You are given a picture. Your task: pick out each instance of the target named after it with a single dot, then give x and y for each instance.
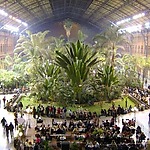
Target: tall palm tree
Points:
(109, 42)
(45, 81)
(107, 79)
(77, 63)
(143, 66)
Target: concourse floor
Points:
(142, 119)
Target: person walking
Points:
(7, 130)
(3, 121)
(11, 128)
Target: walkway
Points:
(142, 119)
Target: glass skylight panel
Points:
(138, 16)
(123, 21)
(11, 28)
(25, 24)
(147, 25)
(3, 13)
(133, 28)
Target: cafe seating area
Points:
(87, 134)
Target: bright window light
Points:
(3, 13)
(11, 28)
(133, 28)
(147, 25)
(13, 18)
(25, 24)
(123, 21)
(18, 20)
(138, 16)
(10, 16)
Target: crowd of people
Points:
(90, 135)
(140, 94)
(83, 127)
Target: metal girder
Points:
(62, 17)
(26, 9)
(74, 5)
(41, 7)
(142, 4)
(114, 10)
(99, 7)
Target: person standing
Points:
(148, 144)
(16, 123)
(149, 118)
(34, 112)
(4, 101)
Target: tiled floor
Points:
(142, 119)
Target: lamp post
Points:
(134, 111)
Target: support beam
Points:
(26, 9)
(99, 7)
(114, 10)
(41, 7)
(142, 4)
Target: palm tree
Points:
(37, 52)
(45, 81)
(127, 70)
(109, 42)
(107, 79)
(77, 63)
(143, 66)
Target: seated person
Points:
(54, 123)
(39, 120)
(59, 131)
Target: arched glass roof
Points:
(96, 13)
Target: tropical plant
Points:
(127, 71)
(45, 81)
(107, 79)
(74, 146)
(81, 36)
(142, 65)
(32, 48)
(109, 42)
(77, 64)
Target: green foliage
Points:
(74, 146)
(77, 63)
(107, 79)
(98, 131)
(68, 72)
(47, 76)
